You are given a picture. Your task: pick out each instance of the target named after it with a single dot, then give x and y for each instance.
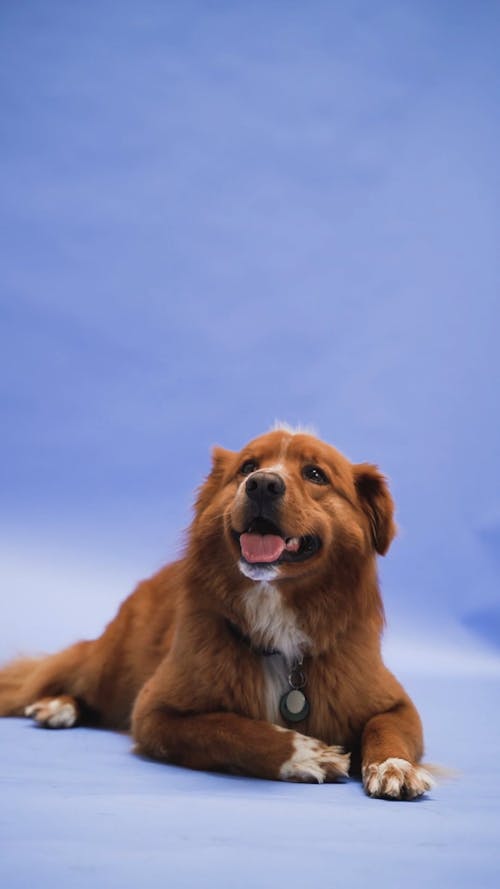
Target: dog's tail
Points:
(14, 678)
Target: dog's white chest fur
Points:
(272, 624)
(276, 671)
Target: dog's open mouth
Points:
(263, 543)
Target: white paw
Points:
(313, 761)
(53, 712)
(397, 779)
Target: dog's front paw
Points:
(314, 762)
(396, 779)
(60, 712)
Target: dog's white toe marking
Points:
(396, 778)
(313, 761)
(53, 712)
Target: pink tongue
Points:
(261, 547)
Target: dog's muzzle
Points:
(261, 538)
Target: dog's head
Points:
(290, 506)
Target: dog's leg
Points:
(46, 689)
(59, 712)
(391, 749)
(231, 743)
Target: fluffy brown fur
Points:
(186, 661)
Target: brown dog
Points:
(260, 649)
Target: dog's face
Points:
(291, 506)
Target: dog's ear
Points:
(377, 503)
(220, 460)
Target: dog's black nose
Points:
(265, 485)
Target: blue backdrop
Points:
(217, 214)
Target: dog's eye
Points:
(314, 474)
(248, 467)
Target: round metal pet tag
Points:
(294, 706)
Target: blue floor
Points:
(78, 809)
(215, 215)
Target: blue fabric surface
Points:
(219, 214)
(215, 215)
(79, 809)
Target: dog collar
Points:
(294, 706)
(242, 637)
